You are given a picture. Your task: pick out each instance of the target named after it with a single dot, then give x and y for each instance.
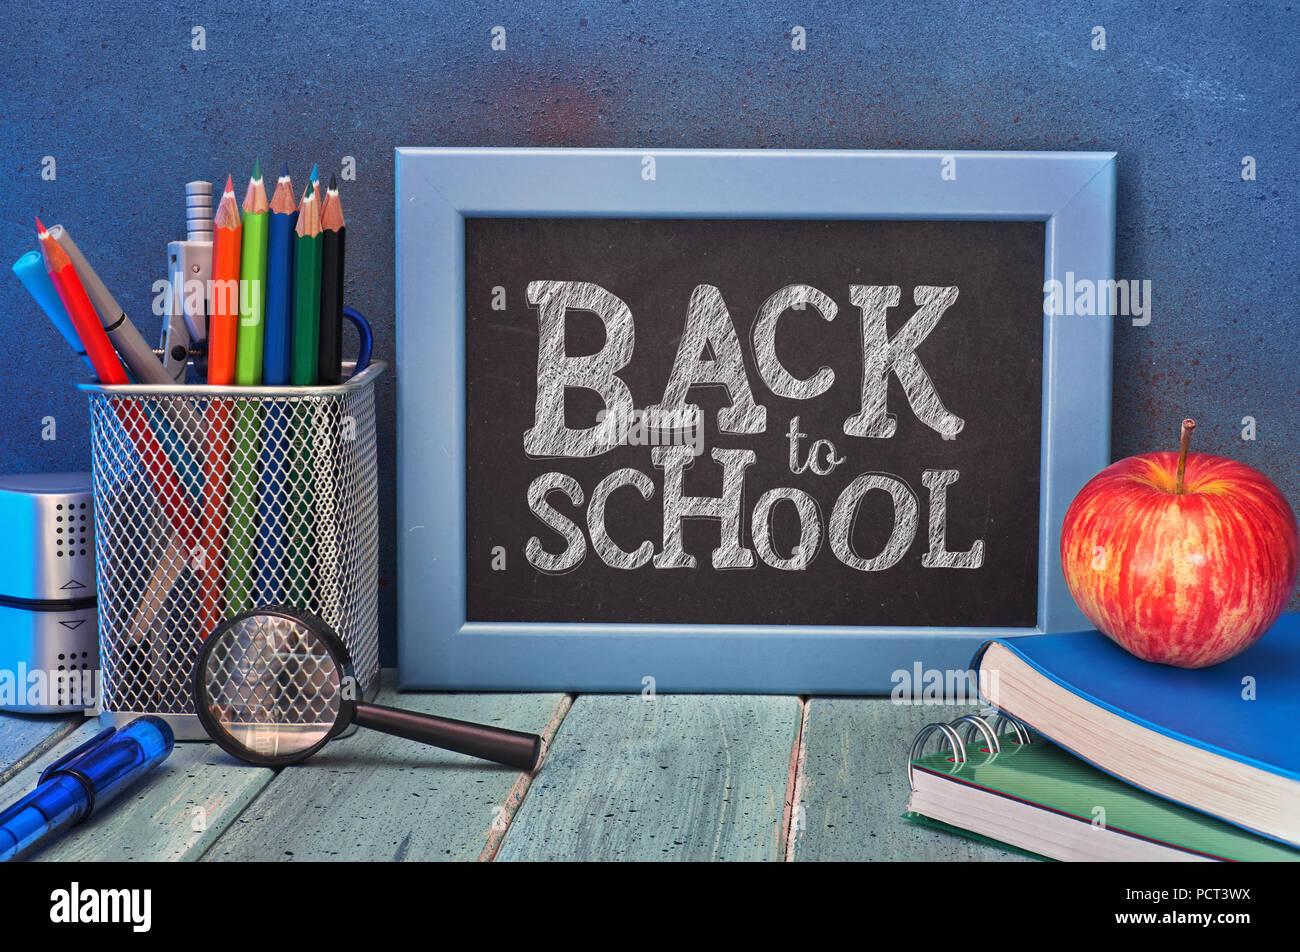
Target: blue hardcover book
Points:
(1223, 740)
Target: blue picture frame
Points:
(437, 188)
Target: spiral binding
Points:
(987, 723)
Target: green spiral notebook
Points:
(1041, 799)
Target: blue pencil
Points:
(273, 499)
(279, 284)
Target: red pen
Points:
(108, 367)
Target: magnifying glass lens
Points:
(271, 686)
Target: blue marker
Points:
(30, 269)
(76, 785)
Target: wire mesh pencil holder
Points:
(213, 500)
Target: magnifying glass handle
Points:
(497, 744)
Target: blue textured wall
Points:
(1183, 91)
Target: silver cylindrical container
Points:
(49, 653)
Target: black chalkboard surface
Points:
(931, 403)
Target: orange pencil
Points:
(223, 335)
(212, 528)
(108, 367)
(223, 304)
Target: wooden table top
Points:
(675, 777)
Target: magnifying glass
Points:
(272, 686)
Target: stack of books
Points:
(1134, 760)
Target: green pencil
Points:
(306, 292)
(304, 359)
(252, 275)
(242, 528)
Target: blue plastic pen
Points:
(83, 781)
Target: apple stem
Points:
(1185, 440)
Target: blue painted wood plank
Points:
(24, 737)
(682, 777)
(375, 797)
(175, 813)
(851, 787)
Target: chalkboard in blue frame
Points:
(456, 207)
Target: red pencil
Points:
(108, 367)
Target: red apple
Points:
(1181, 559)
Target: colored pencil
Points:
(279, 283)
(273, 496)
(216, 486)
(327, 548)
(252, 276)
(242, 542)
(333, 233)
(109, 370)
(319, 192)
(241, 546)
(306, 292)
(273, 505)
(175, 423)
(223, 330)
(30, 269)
(223, 299)
(306, 355)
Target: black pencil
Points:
(329, 370)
